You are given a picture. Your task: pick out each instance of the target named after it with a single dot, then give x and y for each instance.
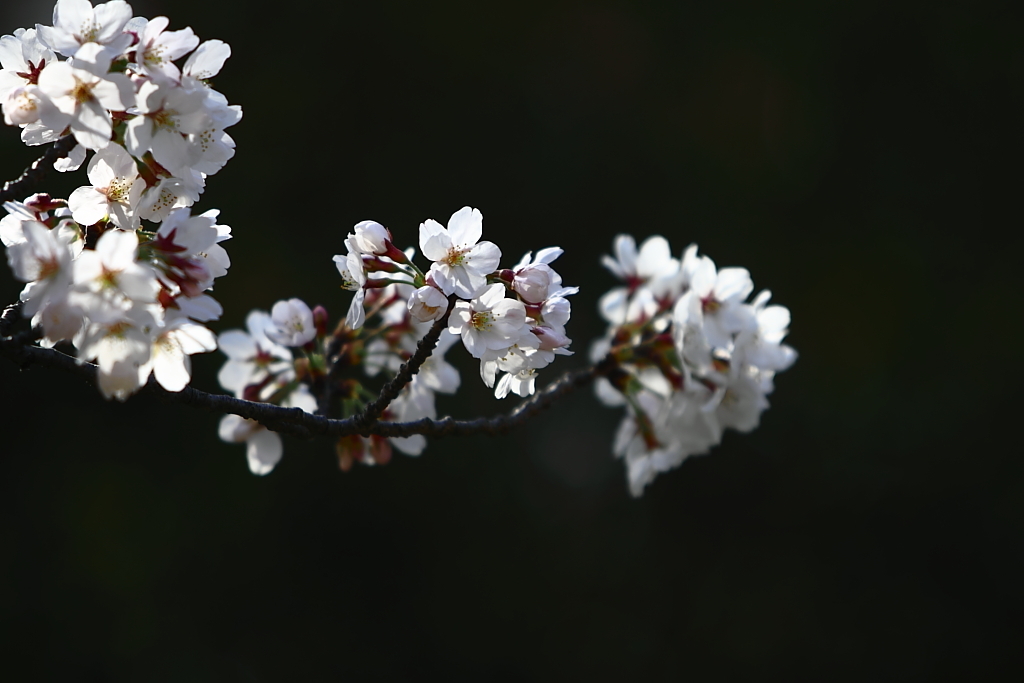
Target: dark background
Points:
(862, 160)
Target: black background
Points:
(861, 159)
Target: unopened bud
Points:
(42, 202)
(320, 319)
(394, 253)
(550, 339)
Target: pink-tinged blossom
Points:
(116, 189)
(489, 322)
(158, 201)
(169, 357)
(60, 319)
(21, 106)
(80, 96)
(158, 48)
(111, 274)
(213, 149)
(77, 23)
(43, 259)
(292, 323)
(461, 262)
(534, 280)
(166, 113)
(252, 356)
(121, 346)
(427, 303)
(22, 58)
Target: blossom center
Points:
(118, 190)
(82, 92)
(89, 32)
(154, 55)
(165, 119)
(48, 267)
(455, 257)
(481, 320)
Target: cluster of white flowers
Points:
(693, 358)
(128, 295)
(511, 320)
(261, 368)
(515, 335)
(121, 270)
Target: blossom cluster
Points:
(260, 367)
(121, 267)
(511, 320)
(693, 357)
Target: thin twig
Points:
(390, 391)
(19, 188)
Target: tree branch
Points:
(393, 388)
(21, 349)
(19, 188)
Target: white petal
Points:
(434, 240)
(465, 227)
(263, 450)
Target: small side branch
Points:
(499, 424)
(372, 412)
(22, 186)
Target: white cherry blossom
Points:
(461, 262)
(43, 259)
(77, 23)
(488, 322)
(252, 356)
(166, 112)
(81, 96)
(292, 323)
(427, 303)
(263, 447)
(158, 48)
(116, 189)
(207, 61)
(112, 275)
(22, 58)
(534, 280)
(121, 345)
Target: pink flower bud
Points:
(550, 339)
(532, 282)
(320, 319)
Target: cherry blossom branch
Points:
(296, 422)
(389, 392)
(499, 424)
(21, 186)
